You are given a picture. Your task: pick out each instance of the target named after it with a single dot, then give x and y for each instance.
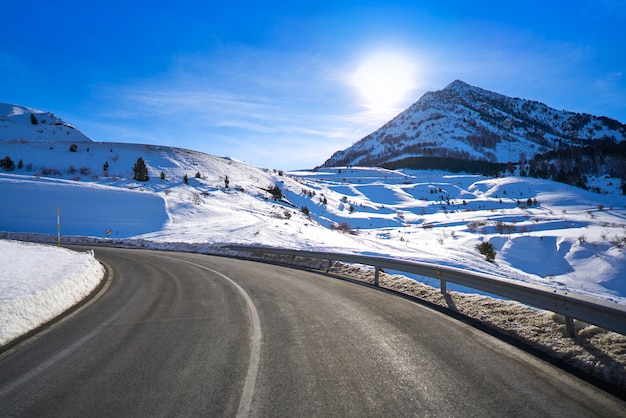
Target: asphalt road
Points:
(191, 335)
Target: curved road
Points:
(191, 335)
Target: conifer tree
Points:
(276, 193)
(141, 170)
(7, 163)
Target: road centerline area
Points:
(255, 342)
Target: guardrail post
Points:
(443, 285)
(570, 331)
(330, 263)
(376, 275)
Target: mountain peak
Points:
(457, 85)
(7, 109)
(24, 123)
(461, 88)
(464, 122)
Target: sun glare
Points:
(383, 80)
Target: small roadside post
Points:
(58, 227)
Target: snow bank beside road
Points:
(39, 282)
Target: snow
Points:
(570, 239)
(39, 282)
(128, 213)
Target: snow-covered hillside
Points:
(467, 122)
(223, 201)
(23, 123)
(543, 232)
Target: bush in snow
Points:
(486, 249)
(50, 171)
(33, 119)
(141, 170)
(618, 241)
(162, 175)
(73, 148)
(343, 227)
(185, 179)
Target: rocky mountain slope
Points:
(469, 123)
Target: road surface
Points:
(192, 335)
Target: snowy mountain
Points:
(543, 232)
(23, 123)
(469, 123)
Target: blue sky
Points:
(285, 84)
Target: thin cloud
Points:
(216, 104)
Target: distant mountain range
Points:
(467, 123)
(23, 123)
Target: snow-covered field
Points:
(39, 282)
(543, 232)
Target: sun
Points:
(384, 79)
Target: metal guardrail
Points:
(610, 316)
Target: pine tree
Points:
(33, 119)
(276, 193)
(141, 170)
(486, 249)
(7, 163)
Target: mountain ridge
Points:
(467, 122)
